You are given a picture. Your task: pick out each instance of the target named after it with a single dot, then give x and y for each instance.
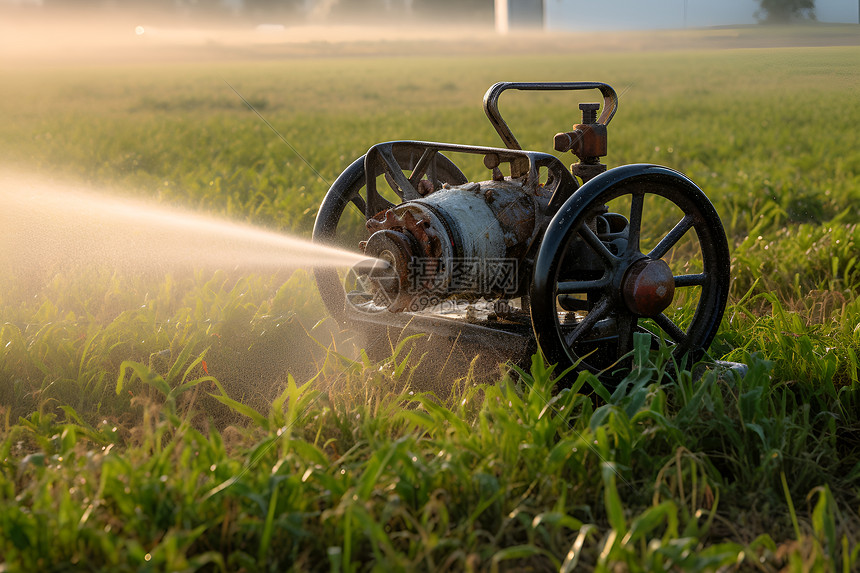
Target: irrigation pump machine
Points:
(531, 253)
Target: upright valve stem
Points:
(587, 141)
(589, 112)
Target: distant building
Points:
(519, 14)
(650, 14)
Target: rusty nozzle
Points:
(586, 141)
(566, 141)
(371, 266)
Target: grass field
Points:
(214, 420)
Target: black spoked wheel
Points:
(342, 215)
(639, 248)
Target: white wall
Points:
(656, 14)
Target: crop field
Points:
(190, 417)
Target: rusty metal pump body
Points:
(571, 274)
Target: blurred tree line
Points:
(784, 11)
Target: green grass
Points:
(211, 421)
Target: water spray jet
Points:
(48, 226)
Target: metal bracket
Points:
(380, 160)
(491, 103)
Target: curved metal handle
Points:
(491, 103)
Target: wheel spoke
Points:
(428, 159)
(590, 320)
(395, 177)
(634, 229)
(626, 324)
(570, 302)
(673, 237)
(379, 204)
(672, 329)
(393, 185)
(359, 297)
(572, 287)
(595, 243)
(358, 201)
(690, 280)
(432, 175)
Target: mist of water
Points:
(46, 226)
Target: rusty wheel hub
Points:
(648, 287)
